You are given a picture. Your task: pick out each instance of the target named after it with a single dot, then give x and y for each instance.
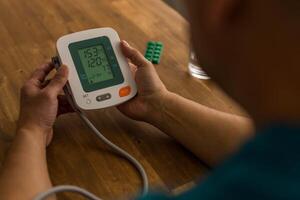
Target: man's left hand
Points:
(41, 101)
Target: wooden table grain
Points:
(28, 32)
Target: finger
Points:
(134, 55)
(133, 69)
(41, 73)
(45, 83)
(59, 81)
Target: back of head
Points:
(251, 48)
(291, 6)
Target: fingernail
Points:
(64, 69)
(125, 43)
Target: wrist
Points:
(158, 107)
(34, 132)
(30, 125)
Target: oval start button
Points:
(103, 97)
(125, 91)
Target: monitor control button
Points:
(103, 97)
(88, 101)
(125, 91)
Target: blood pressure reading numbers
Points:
(95, 64)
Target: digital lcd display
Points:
(95, 64)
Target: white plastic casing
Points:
(87, 100)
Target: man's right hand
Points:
(151, 91)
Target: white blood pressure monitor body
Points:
(99, 75)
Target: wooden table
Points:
(28, 32)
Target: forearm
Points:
(24, 173)
(210, 134)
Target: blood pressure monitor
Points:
(99, 74)
(99, 77)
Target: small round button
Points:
(88, 101)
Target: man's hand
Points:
(151, 90)
(26, 159)
(41, 102)
(199, 128)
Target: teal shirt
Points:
(268, 167)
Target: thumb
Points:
(134, 55)
(59, 81)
